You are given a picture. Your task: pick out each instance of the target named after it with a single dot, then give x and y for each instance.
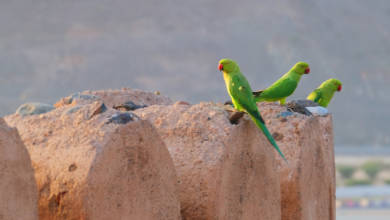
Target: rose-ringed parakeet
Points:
(241, 94)
(324, 93)
(283, 87)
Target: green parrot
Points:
(241, 94)
(324, 93)
(283, 87)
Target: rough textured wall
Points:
(90, 158)
(18, 191)
(113, 98)
(308, 181)
(92, 163)
(225, 171)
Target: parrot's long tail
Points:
(256, 117)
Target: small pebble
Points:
(121, 118)
(34, 108)
(182, 103)
(284, 114)
(100, 109)
(318, 110)
(129, 106)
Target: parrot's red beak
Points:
(220, 67)
(339, 88)
(307, 70)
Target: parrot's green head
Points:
(334, 84)
(301, 68)
(228, 66)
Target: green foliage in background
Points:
(355, 182)
(387, 182)
(372, 168)
(346, 171)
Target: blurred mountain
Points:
(50, 49)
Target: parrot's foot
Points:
(235, 116)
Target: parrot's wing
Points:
(244, 96)
(280, 89)
(243, 93)
(316, 95)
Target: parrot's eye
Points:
(339, 88)
(220, 67)
(307, 70)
